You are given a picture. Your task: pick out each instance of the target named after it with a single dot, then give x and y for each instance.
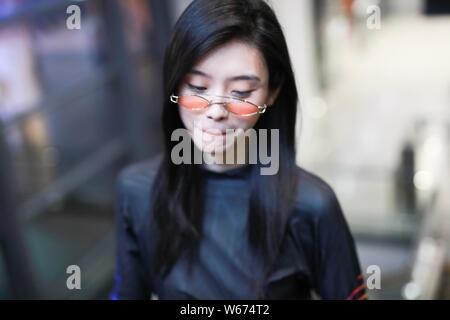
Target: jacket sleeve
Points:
(129, 279)
(338, 273)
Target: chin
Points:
(212, 147)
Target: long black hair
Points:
(177, 199)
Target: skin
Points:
(235, 69)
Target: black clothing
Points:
(317, 254)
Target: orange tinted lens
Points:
(191, 102)
(242, 108)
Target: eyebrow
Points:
(245, 77)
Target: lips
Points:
(215, 132)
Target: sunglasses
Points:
(236, 106)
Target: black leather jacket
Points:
(317, 255)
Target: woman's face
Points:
(233, 70)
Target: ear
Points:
(273, 95)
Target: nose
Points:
(217, 111)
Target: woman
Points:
(222, 229)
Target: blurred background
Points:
(76, 106)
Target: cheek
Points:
(188, 118)
(247, 122)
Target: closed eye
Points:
(242, 94)
(196, 88)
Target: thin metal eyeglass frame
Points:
(261, 109)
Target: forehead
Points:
(231, 59)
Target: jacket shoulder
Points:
(139, 175)
(314, 195)
(134, 185)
